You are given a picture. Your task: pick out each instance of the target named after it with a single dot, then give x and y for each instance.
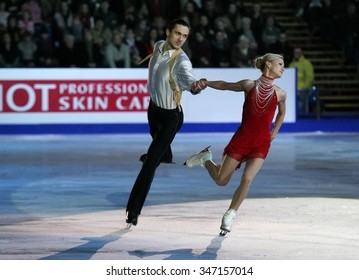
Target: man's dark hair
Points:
(179, 21)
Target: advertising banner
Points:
(116, 96)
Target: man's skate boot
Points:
(227, 221)
(131, 219)
(199, 159)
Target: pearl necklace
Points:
(264, 92)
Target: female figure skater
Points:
(251, 142)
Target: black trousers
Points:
(164, 124)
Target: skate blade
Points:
(204, 150)
(223, 232)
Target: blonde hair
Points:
(260, 62)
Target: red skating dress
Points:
(252, 138)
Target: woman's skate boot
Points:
(227, 221)
(199, 159)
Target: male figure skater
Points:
(170, 72)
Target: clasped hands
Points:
(199, 85)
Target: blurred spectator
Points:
(210, 9)
(241, 54)
(93, 51)
(117, 53)
(270, 33)
(154, 8)
(167, 9)
(85, 15)
(241, 7)
(142, 29)
(27, 50)
(257, 22)
(4, 14)
(122, 29)
(70, 53)
(141, 9)
(118, 7)
(134, 46)
(205, 28)
(63, 20)
(94, 5)
(45, 49)
(101, 33)
(13, 6)
(221, 50)
(223, 24)
(349, 30)
(9, 54)
(25, 23)
(299, 5)
(201, 51)
(197, 2)
(77, 29)
(186, 47)
(153, 37)
(313, 15)
(234, 15)
(305, 79)
(109, 17)
(47, 9)
(191, 10)
(247, 30)
(130, 17)
(34, 9)
(13, 28)
(160, 24)
(283, 47)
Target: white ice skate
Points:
(199, 159)
(227, 221)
